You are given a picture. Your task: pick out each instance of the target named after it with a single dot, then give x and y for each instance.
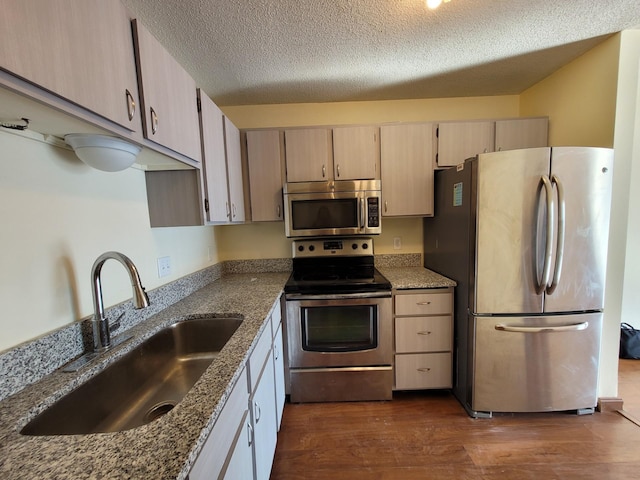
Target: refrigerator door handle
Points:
(546, 271)
(560, 239)
(573, 327)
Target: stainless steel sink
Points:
(141, 386)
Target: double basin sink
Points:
(142, 385)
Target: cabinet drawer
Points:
(423, 370)
(423, 334)
(423, 304)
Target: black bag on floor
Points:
(629, 341)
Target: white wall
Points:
(57, 215)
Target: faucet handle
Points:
(116, 323)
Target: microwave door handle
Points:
(362, 214)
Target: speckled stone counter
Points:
(402, 278)
(167, 447)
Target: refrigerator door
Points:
(508, 189)
(584, 175)
(536, 364)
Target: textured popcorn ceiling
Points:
(288, 51)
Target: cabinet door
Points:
(264, 161)
(278, 365)
(407, 169)
(81, 51)
(215, 164)
(458, 141)
(356, 153)
(263, 410)
(308, 154)
(170, 109)
(522, 133)
(240, 464)
(220, 442)
(234, 170)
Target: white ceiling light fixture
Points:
(103, 152)
(433, 4)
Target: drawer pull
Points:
(423, 303)
(424, 333)
(424, 369)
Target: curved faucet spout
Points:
(101, 334)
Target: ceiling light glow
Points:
(433, 4)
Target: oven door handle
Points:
(362, 214)
(337, 296)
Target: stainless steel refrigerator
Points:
(524, 233)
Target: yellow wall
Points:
(579, 98)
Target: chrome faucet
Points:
(101, 333)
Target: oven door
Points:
(339, 330)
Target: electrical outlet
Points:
(397, 243)
(164, 266)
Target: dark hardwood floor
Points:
(427, 435)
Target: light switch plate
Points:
(397, 243)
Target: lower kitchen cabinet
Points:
(225, 440)
(242, 443)
(423, 324)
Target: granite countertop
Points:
(167, 447)
(402, 278)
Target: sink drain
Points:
(158, 410)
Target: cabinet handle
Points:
(278, 211)
(499, 149)
(226, 204)
(250, 430)
(324, 171)
(423, 303)
(385, 206)
(131, 104)
(233, 209)
(338, 170)
(154, 121)
(276, 353)
(424, 333)
(424, 370)
(257, 411)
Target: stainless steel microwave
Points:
(341, 207)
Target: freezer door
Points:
(584, 175)
(536, 364)
(506, 208)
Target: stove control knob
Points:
(301, 248)
(354, 246)
(365, 246)
(311, 248)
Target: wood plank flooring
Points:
(427, 435)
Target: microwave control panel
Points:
(373, 209)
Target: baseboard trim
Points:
(609, 404)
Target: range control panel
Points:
(333, 247)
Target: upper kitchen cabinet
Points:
(308, 154)
(80, 51)
(406, 163)
(224, 197)
(356, 153)
(458, 141)
(234, 170)
(168, 95)
(522, 133)
(265, 161)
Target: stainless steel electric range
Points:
(338, 322)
